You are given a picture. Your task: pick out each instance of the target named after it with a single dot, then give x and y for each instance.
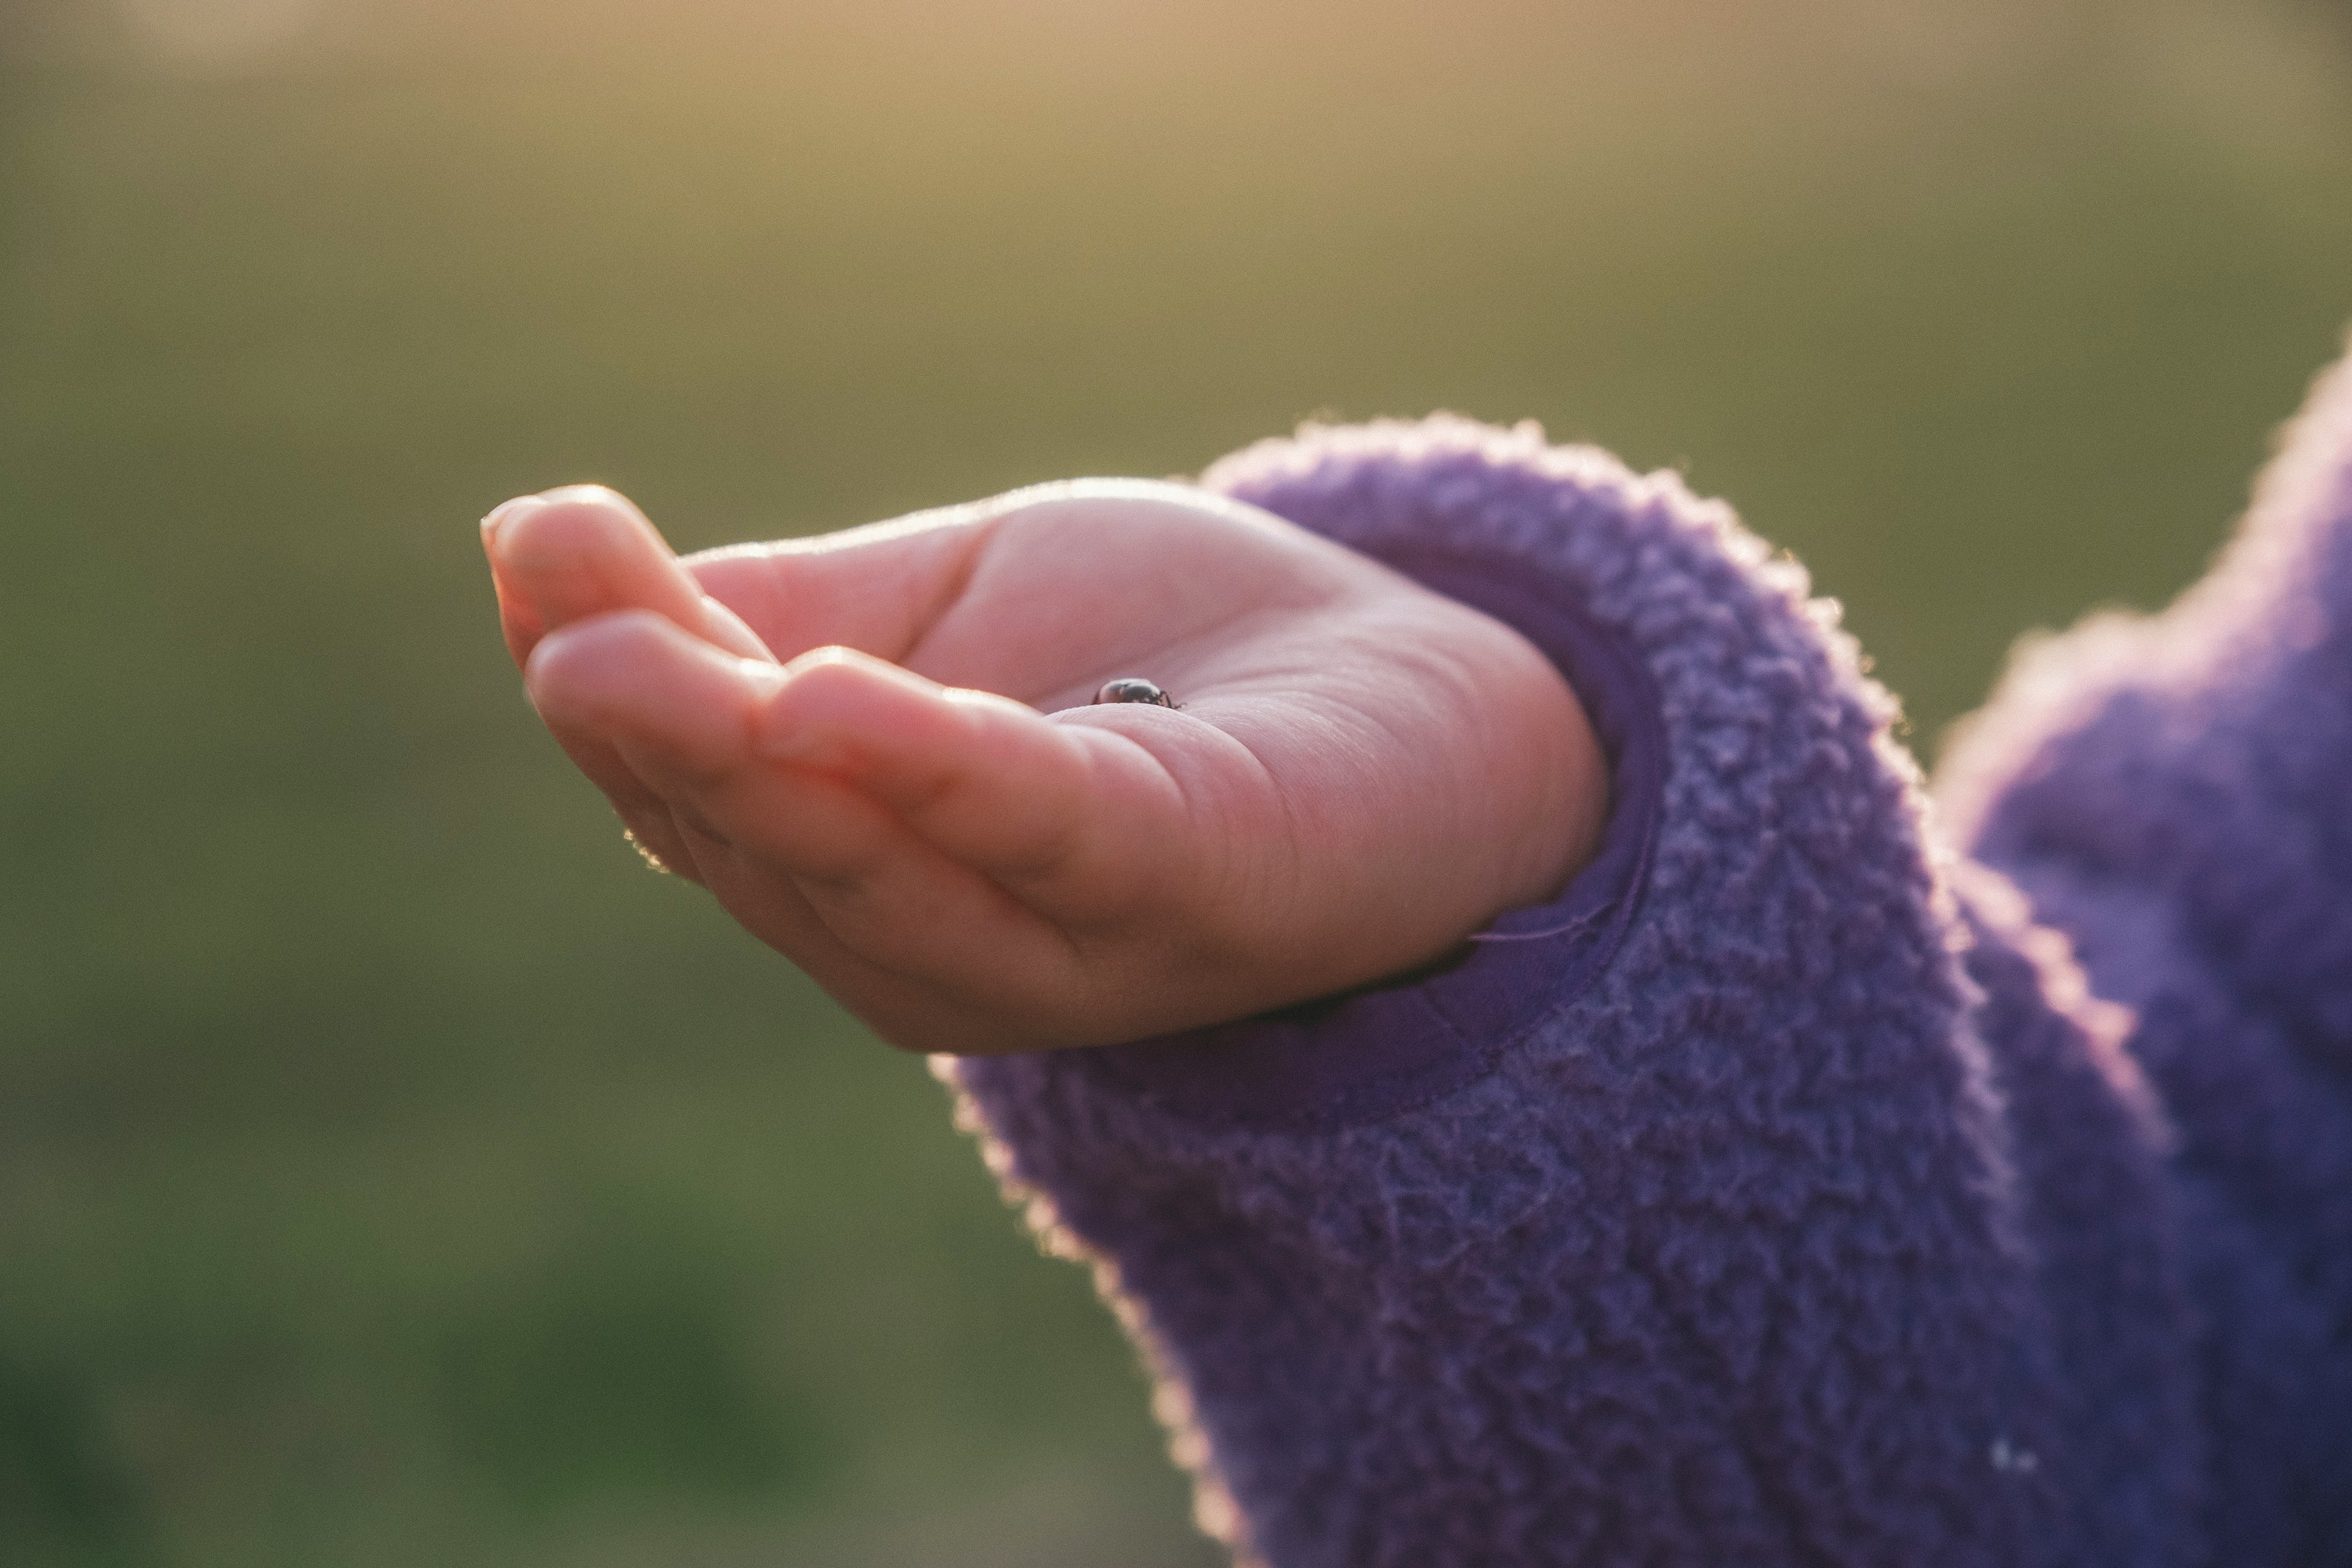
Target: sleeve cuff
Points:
(1379, 1050)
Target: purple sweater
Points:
(1783, 1194)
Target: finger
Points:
(986, 781)
(571, 554)
(634, 680)
(646, 817)
(521, 627)
(517, 622)
(678, 711)
(564, 678)
(583, 551)
(882, 893)
(906, 1011)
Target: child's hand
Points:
(1360, 775)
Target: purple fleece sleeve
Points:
(1779, 1196)
(2176, 791)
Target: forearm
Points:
(1685, 1229)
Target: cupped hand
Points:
(878, 748)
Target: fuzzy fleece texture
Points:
(1786, 1194)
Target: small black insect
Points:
(1133, 689)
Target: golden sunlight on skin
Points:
(1362, 773)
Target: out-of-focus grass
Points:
(389, 1172)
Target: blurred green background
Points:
(393, 1172)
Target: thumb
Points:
(876, 589)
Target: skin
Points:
(878, 750)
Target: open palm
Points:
(878, 750)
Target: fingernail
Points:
(505, 512)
